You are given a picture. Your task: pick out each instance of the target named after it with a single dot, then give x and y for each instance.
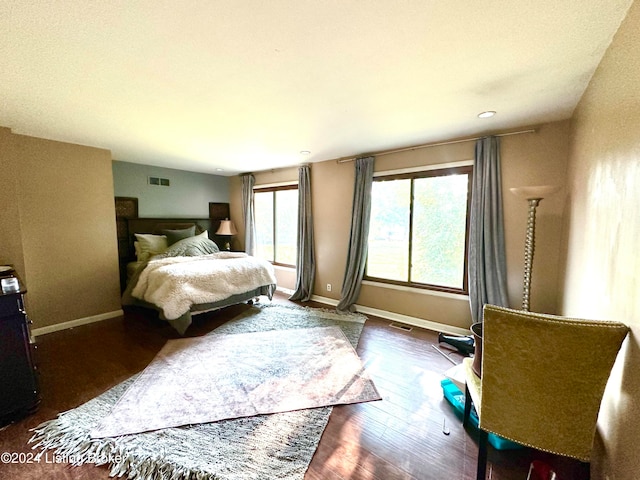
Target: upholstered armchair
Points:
(543, 378)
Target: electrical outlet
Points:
(328, 287)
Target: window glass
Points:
(276, 212)
(389, 230)
(263, 209)
(439, 230)
(286, 232)
(418, 230)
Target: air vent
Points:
(163, 182)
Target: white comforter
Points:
(176, 283)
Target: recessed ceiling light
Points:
(487, 114)
(305, 152)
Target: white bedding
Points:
(176, 283)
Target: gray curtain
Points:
(487, 259)
(360, 216)
(248, 181)
(306, 259)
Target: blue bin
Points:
(456, 398)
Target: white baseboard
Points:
(326, 300)
(75, 323)
(286, 291)
(398, 317)
(414, 321)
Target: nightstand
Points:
(19, 394)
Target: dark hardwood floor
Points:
(400, 437)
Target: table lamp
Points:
(228, 230)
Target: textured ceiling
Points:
(246, 85)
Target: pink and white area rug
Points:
(261, 447)
(225, 376)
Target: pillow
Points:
(148, 245)
(175, 235)
(192, 246)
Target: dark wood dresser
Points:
(19, 392)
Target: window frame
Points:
(273, 189)
(433, 172)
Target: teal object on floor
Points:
(456, 398)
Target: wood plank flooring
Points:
(399, 437)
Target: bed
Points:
(179, 271)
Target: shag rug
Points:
(273, 446)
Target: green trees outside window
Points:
(276, 211)
(419, 227)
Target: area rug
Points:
(274, 446)
(224, 376)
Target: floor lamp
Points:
(533, 195)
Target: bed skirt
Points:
(181, 323)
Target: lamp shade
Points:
(226, 228)
(535, 192)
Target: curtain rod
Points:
(428, 145)
(277, 169)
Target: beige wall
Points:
(62, 224)
(10, 231)
(527, 159)
(603, 235)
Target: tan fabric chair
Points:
(542, 382)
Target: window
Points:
(419, 229)
(276, 211)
